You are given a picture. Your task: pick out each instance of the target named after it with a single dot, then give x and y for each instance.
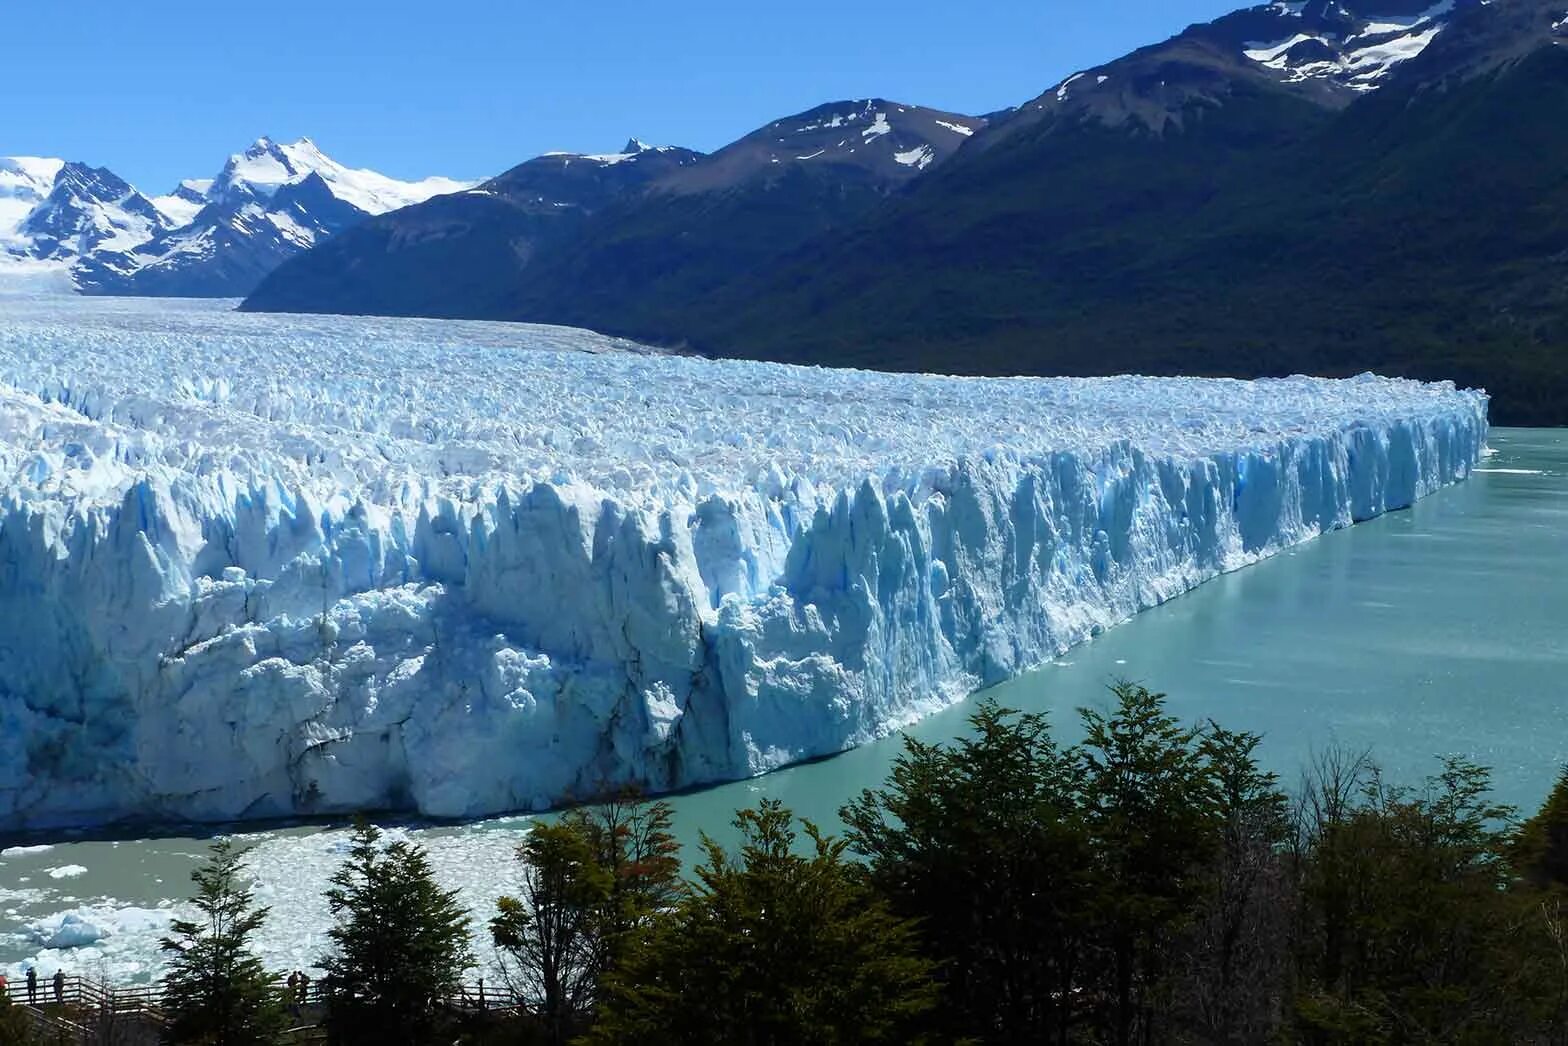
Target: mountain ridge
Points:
(792, 178)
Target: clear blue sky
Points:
(160, 90)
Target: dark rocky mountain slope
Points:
(1201, 219)
(565, 238)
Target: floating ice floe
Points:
(81, 927)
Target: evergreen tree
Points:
(1154, 812)
(770, 947)
(216, 990)
(1540, 851)
(983, 842)
(400, 944)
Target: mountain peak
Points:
(64, 210)
(635, 146)
(268, 166)
(889, 141)
(1325, 52)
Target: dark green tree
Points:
(1408, 931)
(400, 944)
(983, 843)
(1236, 956)
(636, 844)
(216, 990)
(1539, 855)
(1540, 850)
(550, 934)
(1154, 811)
(770, 947)
(16, 1025)
(589, 883)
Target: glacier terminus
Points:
(259, 566)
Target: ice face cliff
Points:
(257, 565)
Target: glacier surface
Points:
(257, 566)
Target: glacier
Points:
(257, 566)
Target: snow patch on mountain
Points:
(896, 140)
(25, 182)
(1353, 50)
(1265, 54)
(185, 202)
(1062, 88)
(281, 565)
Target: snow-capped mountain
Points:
(209, 237)
(25, 182)
(267, 167)
(54, 211)
(90, 209)
(1327, 52)
(268, 204)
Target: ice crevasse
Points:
(253, 567)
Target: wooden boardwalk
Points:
(87, 1011)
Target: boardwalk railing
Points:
(81, 1010)
(68, 1011)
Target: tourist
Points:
(32, 986)
(59, 987)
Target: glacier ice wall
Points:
(258, 566)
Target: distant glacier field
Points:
(260, 566)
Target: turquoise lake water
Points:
(1443, 629)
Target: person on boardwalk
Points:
(302, 987)
(292, 983)
(59, 987)
(32, 986)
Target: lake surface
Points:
(1437, 630)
